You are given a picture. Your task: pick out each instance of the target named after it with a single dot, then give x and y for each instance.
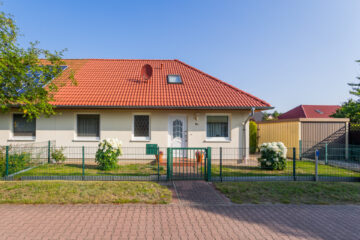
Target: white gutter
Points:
(244, 148)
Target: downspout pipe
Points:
(244, 133)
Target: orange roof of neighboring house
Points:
(117, 83)
(310, 111)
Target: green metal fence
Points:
(189, 164)
(78, 163)
(48, 161)
(233, 164)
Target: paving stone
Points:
(200, 212)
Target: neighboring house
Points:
(258, 117)
(178, 106)
(310, 111)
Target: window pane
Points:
(88, 125)
(174, 79)
(23, 127)
(217, 126)
(141, 126)
(177, 129)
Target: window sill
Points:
(140, 140)
(86, 140)
(21, 140)
(218, 140)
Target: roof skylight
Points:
(174, 79)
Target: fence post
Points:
(208, 156)
(221, 164)
(168, 164)
(158, 163)
(83, 163)
(7, 161)
(326, 153)
(49, 151)
(300, 149)
(316, 165)
(294, 163)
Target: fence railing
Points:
(213, 164)
(226, 167)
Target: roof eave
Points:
(167, 107)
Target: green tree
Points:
(24, 73)
(351, 108)
(271, 116)
(253, 136)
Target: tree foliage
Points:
(351, 108)
(26, 74)
(271, 116)
(253, 136)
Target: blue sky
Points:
(287, 52)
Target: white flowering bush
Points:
(273, 156)
(108, 153)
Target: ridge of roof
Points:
(117, 59)
(302, 108)
(320, 105)
(222, 82)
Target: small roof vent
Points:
(146, 72)
(319, 111)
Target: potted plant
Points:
(199, 156)
(159, 157)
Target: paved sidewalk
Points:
(197, 193)
(185, 218)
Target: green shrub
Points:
(108, 153)
(58, 155)
(273, 156)
(17, 162)
(253, 136)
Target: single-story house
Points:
(169, 103)
(310, 111)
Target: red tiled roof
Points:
(310, 111)
(117, 83)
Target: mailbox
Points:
(152, 149)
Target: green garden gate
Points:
(189, 164)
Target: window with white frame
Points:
(217, 127)
(23, 128)
(88, 126)
(141, 127)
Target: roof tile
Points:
(117, 83)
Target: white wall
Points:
(118, 124)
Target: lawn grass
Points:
(92, 170)
(74, 192)
(291, 192)
(303, 168)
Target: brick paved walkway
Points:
(217, 219)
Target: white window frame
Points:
(21, 138)
(218, 139)
(140, 139)
(86, 139)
